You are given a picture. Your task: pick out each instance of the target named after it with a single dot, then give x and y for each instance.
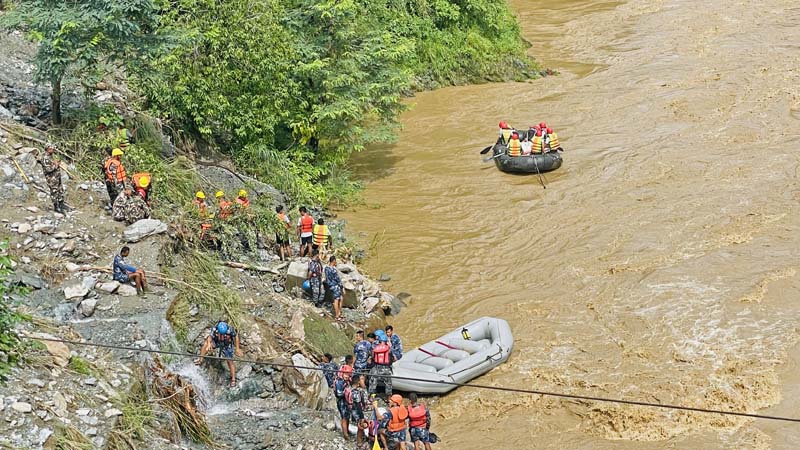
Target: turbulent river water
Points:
(661, 262)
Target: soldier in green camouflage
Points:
(52, 173)
(129, 207)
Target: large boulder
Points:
(143, 228)
(58, 350)
(75, 291)
(322, 336)
(296, 273)
(309, 385)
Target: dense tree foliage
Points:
(81, 37)
(291, 88)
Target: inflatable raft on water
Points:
(546, 162)
(458, 357)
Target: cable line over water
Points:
(452, 383)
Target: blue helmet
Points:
(222, 328)
(378, 333)
(383, 338)
(306, 285)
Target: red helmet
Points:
(542, 125)
(549, 130)
(503, 125)
(539, 132)
(345, 371)
(514, 135)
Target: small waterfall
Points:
(186, 368)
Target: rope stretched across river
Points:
(452, 383)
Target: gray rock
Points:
(61, 235)
(384, 277)
(63, 312)
(113, 412)
(28, 279)
(89, 420)
(370, 303)
(87, 307)
(109, 287)
(75, 291)
(45, 228)
(35, 382)
(89, 282)
(91, 432)
(244, 372)
(44, 435)
(126, 290)
(23, 228)
(143, 228)
(403, 296)
(296, 273)
(6, 114)
(91, 381)
(59, 404)
(69, 246)
(22, 407)
(346, 268)
(83, 411)
(72, 267)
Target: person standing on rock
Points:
(382, 360)
(315, 279)
(322, 236)
(282, 235)
(333, 283)
(305, 231)
(359, 407)
(419, 423)
(396, 343)
(361, 352)
(116, 177)
(52, 174)
(125, 273)
(343, 394)
(329, 369)
(225, 339)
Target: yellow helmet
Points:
(242, 193)
(219, 194)
(144, 181)
(200, 195)
(116, 152)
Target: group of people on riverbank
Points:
(536, 139)
(355, 386)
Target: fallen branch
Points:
(262, 269)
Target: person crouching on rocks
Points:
(125, 273)
(225, 339)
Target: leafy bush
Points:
(9, 341)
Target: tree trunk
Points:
(55, 101)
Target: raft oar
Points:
(486, 150)
(491, 157)
(535, 164)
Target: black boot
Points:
(57, 207)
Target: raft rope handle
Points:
(448, 383)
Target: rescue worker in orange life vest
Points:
(537, 143)
(343, 393)
(419, 423)
(514, 146)
(305, 231)
(552, 141)
(505, 132)
(382, 359)
(225, 339)
(225, 207)
(394, 421)
(242, 199)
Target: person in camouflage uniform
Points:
(129, 208)
(52, 173)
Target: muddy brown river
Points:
(661, 262)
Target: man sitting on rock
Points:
(125, 273)
(225, 339)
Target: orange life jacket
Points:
(514, 147)
(416, 415)
(243, 201)
(201, 205)
(538, 141)
(138, 176)
(398, 420)
(306, 224)
(554, 142)
(380, 354)
(224, 209)
(282, 218)
(120, 175)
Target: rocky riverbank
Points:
(75, 396)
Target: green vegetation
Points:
(137, 415)
(68, 437)
(290, 89)
(9, 341)
(322, 336)
(81, 365)
(83, 39)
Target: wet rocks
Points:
(142, 229)
(87, 307)
(109, 287)
(126, 290)
(75, 291)
(309, 385)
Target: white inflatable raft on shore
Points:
(456, 357)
